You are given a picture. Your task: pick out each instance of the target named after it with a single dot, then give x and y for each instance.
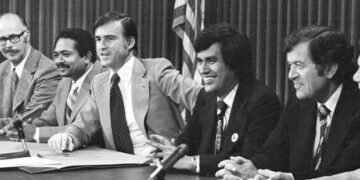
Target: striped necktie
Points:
(324, 128)
(14, 81)
(221, 108)
(71, 100)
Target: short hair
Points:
(22, 19)
(127, 23)
(84, 41)
(235, 48)
(327, 46)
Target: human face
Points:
(11, 26)
(217, 77)
(68, 60)
(307, 81)
(111, 46)
(356, 76)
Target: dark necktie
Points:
(119, 126)
(14, 81)
(324, 112)
(220, 112)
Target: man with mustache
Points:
(236, 113)
(318, 134)
(135, 98)
(28, 79)
(75, 57)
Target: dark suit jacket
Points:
(255, 112)
(290, 146)
(53, 120)
(36, 88)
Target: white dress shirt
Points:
(20, 67)
(137, 137)
(228, 100)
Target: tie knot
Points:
(221, 108)
(323, 110)
(115, 79)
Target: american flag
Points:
(188, 21)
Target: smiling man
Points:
(234, 115)
(318, 133)
(28, 79)
(75, 57)
(135, 98)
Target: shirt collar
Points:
(229, 98)
(332, 101)
(20, 67)
(125, 71)
(80, 81)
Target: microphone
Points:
(18, 124)
(178, 153)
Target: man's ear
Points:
(331, 70)
(88, 57)
(131, 42)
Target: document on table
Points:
(26, 161)
(86, 157)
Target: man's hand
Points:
(236, 167)
(268, 174)
(5, 124)
(165, 148)
(61, 142)
(29, 131)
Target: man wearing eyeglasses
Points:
(28, 79)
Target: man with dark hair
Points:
(319, 132)
(135, 98)
(28, 79)
(248, 113)
(75, 57)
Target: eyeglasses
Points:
(14, 38)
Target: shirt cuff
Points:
(37, 135)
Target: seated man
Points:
(249, 109)
(135, 98)
(28, 79)
(75, 57)
(318, 135)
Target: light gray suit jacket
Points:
(36, 88)
(157, 89)
(53, 120)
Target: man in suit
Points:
(28, 79)
(251, 108)
(319, 133)
(75, 57)
(135, 98)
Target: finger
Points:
(239, 159)
(13, 139)
(162, 147)
(12, 134)
(64, 142)
(160, 139)
(172, 141)
(231, 177)
(231, 167)
(71, 144)
(220, 173)
(223, 162)
(266, 172)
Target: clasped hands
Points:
(239, 168)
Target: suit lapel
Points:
(209, 122)
(26, 78)
(5, 89)
(85, 90)
(340, 125)
(61, 109)
(237, 121)
(140, 94)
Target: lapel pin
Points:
(234, 137)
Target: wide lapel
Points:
(61, 106)
(5, 89)
(26, 77)
(302, 132)
(140, 93)
(237, 121)
(341, 123)
(85, 90)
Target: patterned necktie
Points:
(221, 108)
(14, 81)
(119, 126)
(324, 112)
(71, 100)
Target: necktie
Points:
(323, 111)
(221, 108)
(14, 82)
(71, 100)
(119, 126)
